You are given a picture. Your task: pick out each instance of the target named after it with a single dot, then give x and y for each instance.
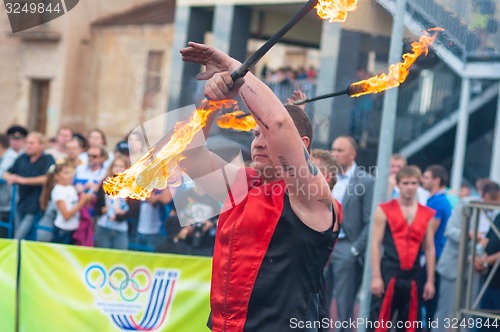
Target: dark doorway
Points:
(39, 100)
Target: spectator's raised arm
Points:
(298, 95)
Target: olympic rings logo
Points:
(118, 281)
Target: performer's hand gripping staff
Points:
(275, 133)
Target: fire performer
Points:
(395, 277)
(271, 248)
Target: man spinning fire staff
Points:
(270, 248)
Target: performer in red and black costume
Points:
(402, 227)
(271, 247)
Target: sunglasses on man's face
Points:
(94, 156)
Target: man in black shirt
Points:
(28, 172)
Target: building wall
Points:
(64, 62)
(119, 62)
(237, 2)
(41, 61)
(369, 17)
(307, 31)
(10, 69)
(74, 98)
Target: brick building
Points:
(69, 70)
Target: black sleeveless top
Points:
(390, 265)
(290, 282)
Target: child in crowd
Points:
(60, 190)
(113, 214)
(151, 217)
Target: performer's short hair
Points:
(408, 172)
(302, 123)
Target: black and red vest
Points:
(267, 265)
(400, 265)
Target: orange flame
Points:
(397, 72)
(237, 120)
(335, 10)
(154, 168)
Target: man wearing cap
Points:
(17, 138)
(10, 146)
(28, 172)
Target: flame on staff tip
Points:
(153, 169)
(237, 120)
(397, 72)
(335, 10)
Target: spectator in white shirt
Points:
(89, 176)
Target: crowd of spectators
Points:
(59, 196)
(288, 74)
(60, 199)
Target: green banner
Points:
(8, 275)
(71, 288)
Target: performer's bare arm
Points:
(379, 224)
(310, 196)
(309, 193)
(199, 160)
(430, 260)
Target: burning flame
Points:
(153, 169)
(237, 120)
(335, 10)
(397, 72)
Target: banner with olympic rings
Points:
(71, 288)
(8, 277)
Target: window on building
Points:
(152, 82)
(39, 100)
